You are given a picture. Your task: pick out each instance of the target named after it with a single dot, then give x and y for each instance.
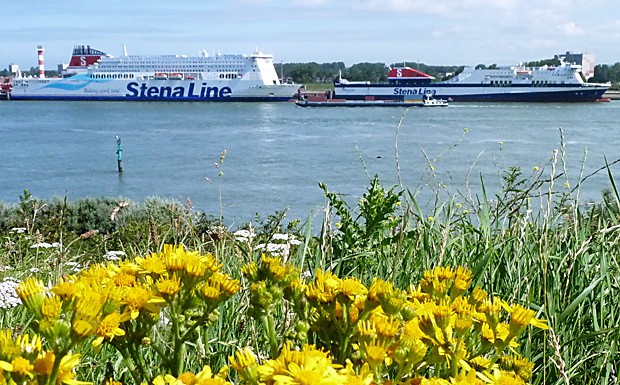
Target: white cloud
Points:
(571, 29)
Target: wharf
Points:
(612, 94)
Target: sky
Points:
(435, 32)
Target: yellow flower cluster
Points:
(24, 361)
(269, 282)
(308, 366)
(183, 286)
(204, 377)
(434, 328)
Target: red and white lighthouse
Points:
(41, 66)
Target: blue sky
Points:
(464, 32)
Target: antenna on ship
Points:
(125, 50)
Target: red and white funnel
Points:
(41, 66)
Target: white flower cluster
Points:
(244, 236)
(8, 296)
(114, 255)
(75, 266)
(45, 245)
(280, 245)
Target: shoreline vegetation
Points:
(546, 281)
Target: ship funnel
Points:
(41, 65)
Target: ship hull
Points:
(472, 93)
(85, 89)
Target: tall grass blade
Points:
(569, 309)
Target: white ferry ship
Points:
(96, 75)
(563, 83)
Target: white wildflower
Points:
(280, 237)
(18, 230)
(114, 255)
(44, 245)
(8, 295)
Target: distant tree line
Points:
(607, 73)
(33, 71)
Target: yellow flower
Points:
(141, 298)
(351, 288)
(31, 291)
(324, 288)
(66, 373)
(206, 377)
(523, 368)
(278, 272)
(65, 289)
(150, 264)
(51, 307)
(168, 286)
(22, 366)
(478, 296)
(313, 371)
(467, 377)
(188, 378)
(244, 363)
(194, 265)
(228, 285)
(387, 326)
(172, 256)
(375, 355)
(499, 336)
(521, 317)
(82, 328)
(29, 345)
(44, 363)
(166, 379)
(462, 279)
(109, 328)
(124, 279)
(506, 378)
(250, 270)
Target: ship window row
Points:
(543, 83)
(501, 83)
(168, 62)
(229, 76)
(112, 76)
(210, 67)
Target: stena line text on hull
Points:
(168, 92)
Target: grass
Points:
(562, 259)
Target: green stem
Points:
(271, 334)
(129, 362)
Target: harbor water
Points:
(276, 153)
